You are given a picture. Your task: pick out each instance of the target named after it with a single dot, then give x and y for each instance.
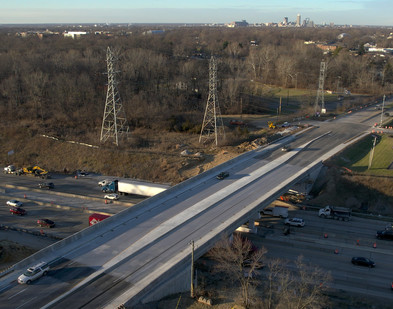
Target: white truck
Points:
(276, 211)
(335, 213)
(140, 188)
(10, 169)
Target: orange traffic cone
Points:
(336, 251)
(325, 235)
(375, 245)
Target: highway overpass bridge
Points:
(143, 253)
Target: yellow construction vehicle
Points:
(36, 171)
(271, 125)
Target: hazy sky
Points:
(357, 12)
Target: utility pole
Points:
(320, 92)
(212, 126)
(114, 122)
(383, 105)
(192, 269)
(279, 110)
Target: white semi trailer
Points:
(140, 188)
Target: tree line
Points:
(59, 84)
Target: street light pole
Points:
(192, 269)
(383, 105)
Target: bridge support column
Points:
(249, 227)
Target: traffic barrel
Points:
(336, 251)
(374, 245)
(325, 235)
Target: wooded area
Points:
(57, 85)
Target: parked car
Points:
(46, 185)
(222, 175)
(34, 273)
(362, 261)
(45, 223)
(385, 234)
(111, 196)
(17, 211)
(14, 203)
(81, 173)
(294, 221)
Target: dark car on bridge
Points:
(362, 261)
(222, 175)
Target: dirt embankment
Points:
(369, 194)
(12, 252)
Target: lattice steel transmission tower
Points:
(212, 126)
(114, 122)
(320, 93)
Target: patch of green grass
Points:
(357, 157)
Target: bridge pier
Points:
(249, 227)
(179, 283)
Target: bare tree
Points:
(239, 259)
(303, 288)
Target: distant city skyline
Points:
(340, 12)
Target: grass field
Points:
(357, 157)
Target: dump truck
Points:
(335, 213)
(140, 188)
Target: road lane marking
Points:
(17, 293)
(26, 303)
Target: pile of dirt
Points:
(11, 252)
(369, 194)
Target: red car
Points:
(45, 223)
(17, 211)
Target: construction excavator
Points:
(271, 125)
(36, 171)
